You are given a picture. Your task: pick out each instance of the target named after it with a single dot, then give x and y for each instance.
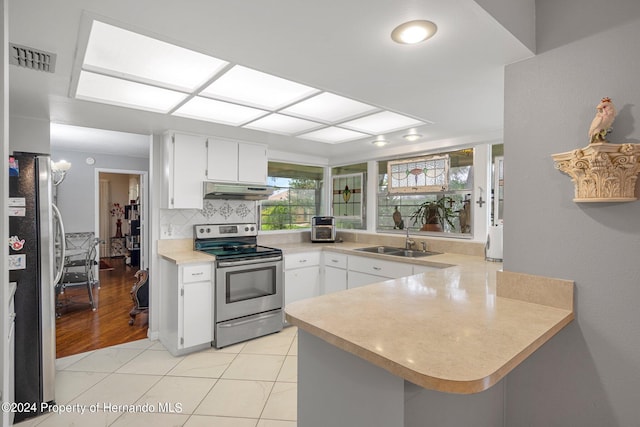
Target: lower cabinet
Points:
(364, 271)
(335, 272)
(186, 303)
(301, 276)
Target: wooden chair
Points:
(140, 295)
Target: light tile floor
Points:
(252, 384)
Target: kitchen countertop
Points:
(181, 251)
(460, 328)
(448, 330)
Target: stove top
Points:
(231, 241)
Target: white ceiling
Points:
(454, 80)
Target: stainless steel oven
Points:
(248, 293)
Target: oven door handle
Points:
(248, 261)
(251, 320)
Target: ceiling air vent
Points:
(27, 57)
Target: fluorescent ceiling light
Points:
(279, 123)
(126, 54)
(382, 122)
(333, 135)
(200, 108)
(250, 87)
(109, 90)
(413, 32)
(329, 108)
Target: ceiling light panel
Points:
(126, 54)
(382, 122)
(110, 90)
(211, 110)
(333, 135)
(250, 87)
(279, 123)
(329, 108)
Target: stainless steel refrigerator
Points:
(32, 258)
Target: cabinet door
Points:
(301, 283)
(335, 279)
(222, 160)
(252, 163)
(357, 279)
(379, 267)
(197, 314)
(189, 165)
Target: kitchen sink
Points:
(400, 252)
(388, 250)
(408, 253)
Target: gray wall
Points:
(28, 134)
(589, 374)
(76, 195)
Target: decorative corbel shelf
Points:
(601, 171)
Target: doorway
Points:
(120, 212)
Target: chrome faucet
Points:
(408, 243)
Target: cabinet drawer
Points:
(196, 273)
(332, 259)
(379, 267)
(305, 259)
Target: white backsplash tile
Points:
(178, 223)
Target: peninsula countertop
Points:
(449, 330)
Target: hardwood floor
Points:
(79, 329)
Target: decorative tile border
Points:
(178, 223)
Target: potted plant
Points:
(433, 214)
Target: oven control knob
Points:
(208, 230)
(246, 229)
(201, 230)
(253, 228)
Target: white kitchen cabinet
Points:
(335, 272)
(301, 276)
(232, 161)
(186, 304)
(184, 161)
(363, 270)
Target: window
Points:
(429, 193)
(297, 198)
(348, 196)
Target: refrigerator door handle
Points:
(57, 223)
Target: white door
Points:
(252, 163)
(189, 164)
(222, 160)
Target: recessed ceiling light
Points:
(329, 107)
(413, 32)
(125, 54)
(217, 111)
(411, 137)
(382, 122)
(333, 135)
(379, 142)
(246, 86)
(279, 123)
(124, 93)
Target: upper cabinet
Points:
(184, 163)
(232, 161)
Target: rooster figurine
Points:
(601, 124)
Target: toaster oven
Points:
(323, 229)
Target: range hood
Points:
(222, 190)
